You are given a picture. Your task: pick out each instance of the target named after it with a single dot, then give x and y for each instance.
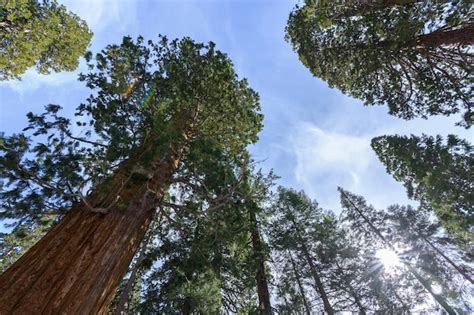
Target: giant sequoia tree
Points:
(39, 33)
(414, 56)
(438, 173)
(152, 105)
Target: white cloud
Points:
(99, 13)
(327, 159)
(32, 80)
(317, 151)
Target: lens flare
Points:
(388, 258)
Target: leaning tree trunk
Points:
(300, 285)
(77, 266)
(452, 263)
(463, 36)
(317, 280)
(314, 272)
(125, 294)
(260, 277)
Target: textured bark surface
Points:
(260, 277)
(125, 295)
(462, 36)
(77, 266)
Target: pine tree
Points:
(40, 33)
(374, 226)
(437, 173)
(295, 228)
(210, 236)
(413, 56)
(109, 181)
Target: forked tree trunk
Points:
(260, 277)
(77, 266)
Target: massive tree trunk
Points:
(463, 36)
(300, 284)
(77, 266)
(317, 280)
(262, 285)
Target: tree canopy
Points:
(414, 56)
(40, 33)
(157, 113)
(438, 173)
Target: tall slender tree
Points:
(111, 180)
(358, 207)
(296, 225)
(414, 56)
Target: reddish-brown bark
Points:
(463, 36)
(77, 266)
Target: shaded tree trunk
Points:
(314, 272)
(125, 295)
(461, 271)
(260, 277)
(77, 266)
(317, 280)
(300, 285)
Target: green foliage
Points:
(414, 56)
(438, 173)
(18, 241)
(203, 261)
(345, 260)
(40, 33)
(49, 168)
(409, 232)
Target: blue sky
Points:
(314, 137)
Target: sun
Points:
(389, 259)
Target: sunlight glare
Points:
(437, 289)
(388, 258)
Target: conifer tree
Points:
(437, 173)
(297, 227)
(379, 231)
(414, 56)
(40, 33)
(152, 105)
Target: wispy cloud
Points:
(325, 160)
(32, 80)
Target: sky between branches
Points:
(315, 138)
